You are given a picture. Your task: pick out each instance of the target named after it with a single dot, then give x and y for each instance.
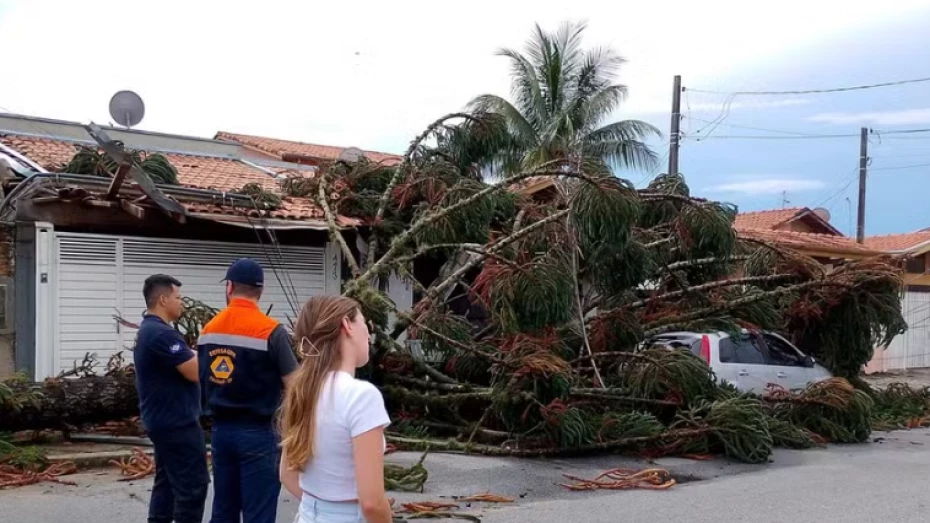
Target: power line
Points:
(794, 133)
(808, 136)
(848, 181)
(898, 167)
(817, 91)
(887, 156)
(901, 131)
(761, 137)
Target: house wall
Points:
(799, 226)
(7, 266)
(911, 349)
(25, 298)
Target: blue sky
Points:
(373, 74)
(821, 172)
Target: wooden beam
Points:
(117, 181)
(134, 210)
(45, 199)
(115, 150)
(101, 203)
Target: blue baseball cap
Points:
(247, 271)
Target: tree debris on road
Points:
(11, 476)
(623, 478)
(138, 466)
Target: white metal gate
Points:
(911, 349)
(99, 276)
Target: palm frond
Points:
(519, 126)
(592, 110)
(526, 87)
(632, 154)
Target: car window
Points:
(696, 347)
(677, 343)
(741, 350)
(781, 353)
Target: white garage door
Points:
(911, 349)
(101, 276)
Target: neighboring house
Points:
(72, 259)
(809, 231)
(805, 230)
(912, 349)
(794, 219)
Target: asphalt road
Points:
(886, 480)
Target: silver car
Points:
(750, 362)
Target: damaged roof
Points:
(281, 148)
(194, 171)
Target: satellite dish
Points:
(127, 108)
(824, 214)
(351, 154)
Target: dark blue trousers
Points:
(181, 476)
(245, 472)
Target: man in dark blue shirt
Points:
(169, 401)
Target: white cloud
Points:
(370, 74)
(767, 186)
(904, 117)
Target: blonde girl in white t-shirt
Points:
(332, 425)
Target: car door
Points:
(787, 363)
(742, 363)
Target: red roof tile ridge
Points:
(764, 211)
(221, 134)
(899, 234)
(798, 233)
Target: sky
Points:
(374, 74)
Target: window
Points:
(743, 350)
(3, 322)
(781, 353)
(6, 305)
(677, 342)
(915, 265)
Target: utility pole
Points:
(674, 134)
(863, 166)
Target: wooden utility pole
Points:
(863, 166)
(674, 133)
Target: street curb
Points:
(86, 460)
(94, 459)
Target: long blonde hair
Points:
(317, 335)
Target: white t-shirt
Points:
(347, 408)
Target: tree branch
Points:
(684, 264)
(432, 216)
(711, 285)
(496, 246)
(661, 325)
(399, 175)
(334, 233)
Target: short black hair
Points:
(245, 290)
(155, 286)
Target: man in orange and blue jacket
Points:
(245, 359)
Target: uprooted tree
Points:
(532, 310)
(537, 288)
(532, 327)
